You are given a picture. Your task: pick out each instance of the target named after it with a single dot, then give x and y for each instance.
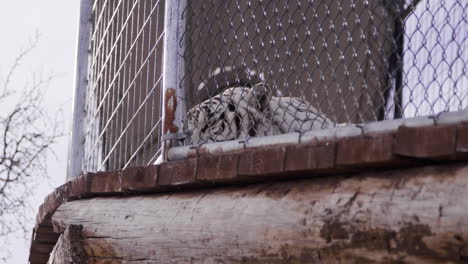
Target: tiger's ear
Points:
(259, 96)
(222, 78)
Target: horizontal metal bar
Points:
(236, 146)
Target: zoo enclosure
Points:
(150, 62)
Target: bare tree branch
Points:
(17, 62)
(27, 134)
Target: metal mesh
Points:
(122, 126)
(257, 68)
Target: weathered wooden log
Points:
(68, 249)
(417, 215)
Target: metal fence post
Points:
(173, 99)
(76, 147)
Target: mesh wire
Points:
(255, 68)
(122, 124)
(263, 67)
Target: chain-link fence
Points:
(256, 68)
(122, 124)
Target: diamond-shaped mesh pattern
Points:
(258, 68)
(262, 67)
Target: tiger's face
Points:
(223, 117)
(242, 112)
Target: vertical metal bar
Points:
(397, 62)
(76, 147)
(173, 99)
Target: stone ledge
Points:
(217, 169)
(140, 179)
(366, 151)
(462, 138)
(178, 173)
(315, 157)
(426, 142)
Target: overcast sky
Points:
(56, 21)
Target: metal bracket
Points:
(174, 136)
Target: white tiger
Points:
(242, 112)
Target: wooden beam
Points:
(68, 249)
(417, 215)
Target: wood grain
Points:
(415, 215)
(68, 249)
